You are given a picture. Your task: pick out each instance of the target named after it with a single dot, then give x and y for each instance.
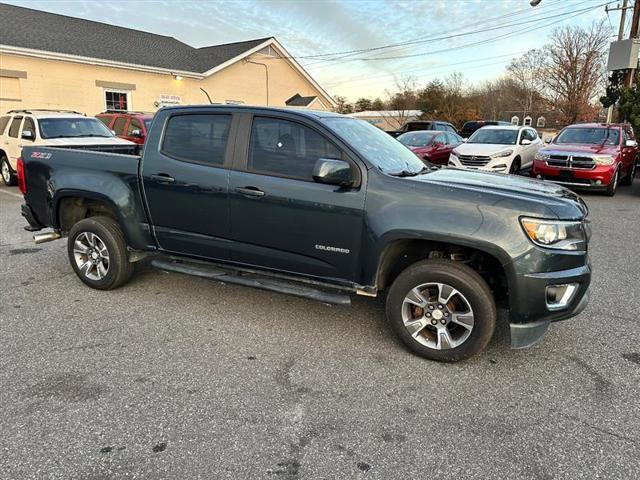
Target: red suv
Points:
(431, 146)
(595, 156)
(132, 126)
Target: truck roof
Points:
(299, 111)
(597, 125)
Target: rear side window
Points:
(3, 123)
(29, 125)
(197, 138)
(287, 149)
(15, 127)
(119, 124)
(106, 119)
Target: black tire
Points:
(464, 279)
(613, 185)
(8, 175)
(109, 233)
(515, 166)
(628, 180)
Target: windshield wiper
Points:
(407, 173)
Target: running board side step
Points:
(251, 280)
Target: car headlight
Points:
(506, 153)
(603, 159)
(542, 156)
(563, 235)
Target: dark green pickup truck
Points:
(322, 206)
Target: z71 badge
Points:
(41, 155)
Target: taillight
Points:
(22, 183)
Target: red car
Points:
(595, 156)
(431, 146)
(132, 126)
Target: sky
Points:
(477, 38)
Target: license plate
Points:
(566, 175)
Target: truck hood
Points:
(537, 194)
(482, 149)
(82, 141)
(580, 148)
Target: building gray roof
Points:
(33, 29)
(299, 101)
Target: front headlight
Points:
(563, 235)
(603, 159)
(506, 153)
(542, 156)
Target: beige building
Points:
(59, 62)
(387, 120)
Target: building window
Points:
(515, 120)
(269, 51)
(541, 122)
(116, 100)
(527, 121)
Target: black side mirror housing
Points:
(332, 172)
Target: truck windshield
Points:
(589, 136)
(417, 139)
(494, 136)
(378, 147)
(72, 128)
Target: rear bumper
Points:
(594, 179)
(27, 213)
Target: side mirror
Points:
(548, 139)
(630, 143)
(525, 141)
(332, 172)
(465, 140)
(28, 135)
(136, 133)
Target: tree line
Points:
(566, 76)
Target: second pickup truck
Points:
(320, 205)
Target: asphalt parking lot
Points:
(180, 377)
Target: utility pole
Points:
(634, 34)
(623, 17)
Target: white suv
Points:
(52, 128)
(499, 148)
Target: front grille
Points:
(473, 160)
(569, 161)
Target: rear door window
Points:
(197, 138)
(287, 149)
(4, 121)
(14, 129)
(119, 125)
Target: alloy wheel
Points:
(438, 316)
(6, 174)
(91, 255)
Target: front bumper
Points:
(495, 165)
(530, 314)
(597, 178)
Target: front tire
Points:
(613, 185)
(98, 253)
(515, 166)
(441, 310)
(8, 175)
(628, 180)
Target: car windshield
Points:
(378, 147)
(417, 139)
(495, 136)
(72, 128)
(589, 136)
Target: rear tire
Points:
(8, 175)
(98, 253)
(454, 299)
(628, 180)
(613, 185)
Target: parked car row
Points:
(593, 156)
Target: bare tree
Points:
(528, 72)
(362, 104)
(575, 70)
(342, 105)
(401, 101)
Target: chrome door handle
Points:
(163, 178)
(250, 191)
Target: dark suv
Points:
(469, 128)
(132, 126)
